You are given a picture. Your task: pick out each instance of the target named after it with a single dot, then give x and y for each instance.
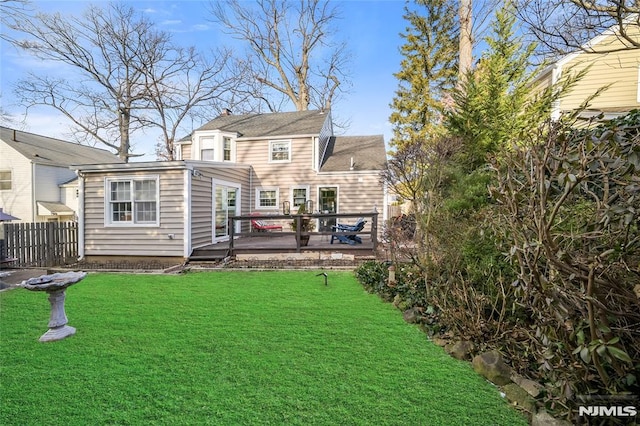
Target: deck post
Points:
(298, 220)
(374, 230)
(232, 231)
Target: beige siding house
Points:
(36, 184)
(619, 69)
(233, 165)
(156, 209)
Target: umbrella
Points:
(5, 216)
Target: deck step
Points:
(209, 254)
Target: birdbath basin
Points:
(55, 285)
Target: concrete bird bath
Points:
(55, 285)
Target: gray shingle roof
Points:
(270, 125)
(54, 152)
(368, 153)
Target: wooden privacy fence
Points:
(41, 244)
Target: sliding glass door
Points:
(225, 202)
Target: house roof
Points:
(54, 152)
(357, 153)
(269, 125)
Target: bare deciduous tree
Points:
(291, 53)
(123, 75)
(188, 87)
(564, 26)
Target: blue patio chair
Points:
(352, 239)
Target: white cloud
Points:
(171, 22)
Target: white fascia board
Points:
(276, 137)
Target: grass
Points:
(231, 348)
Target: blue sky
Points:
(370, 27)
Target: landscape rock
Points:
(439, 341)
(520, 397)
(533, 388)
(491, 366)
(412, 315)
(460, 350)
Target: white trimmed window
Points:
(132, 201)
(299, 196)
(5, 180)
(207, 149)
(267, 198)
(279, 151)
(226, 149)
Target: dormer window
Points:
(207, 149)
(213, 146)
(279, 151)
(226, 149)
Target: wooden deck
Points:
(274, 243)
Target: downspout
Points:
(80, 215)
(34, 205)
(187, 214)
(251, 193)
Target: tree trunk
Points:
(124, 118)
(465, 44)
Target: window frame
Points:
(10, 180)
(306, 188)
(273, 143)
(133, 222)
(276, 206)
(227, 150)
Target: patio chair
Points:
(261, 226)
(351, 239)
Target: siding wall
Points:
(357, 191)
(69, 196)
(620, 69)
(101, 240)
(47, 188)
(19, 200)
(186, 151)
(201, 211)
(202, 198)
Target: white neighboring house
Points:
(36, 183)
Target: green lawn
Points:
(231, 348)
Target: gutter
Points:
(80, 215)
(34, 206)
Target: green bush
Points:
(373, 276)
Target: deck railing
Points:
(324, 220)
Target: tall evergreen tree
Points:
(428, 71)
(490, 105)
